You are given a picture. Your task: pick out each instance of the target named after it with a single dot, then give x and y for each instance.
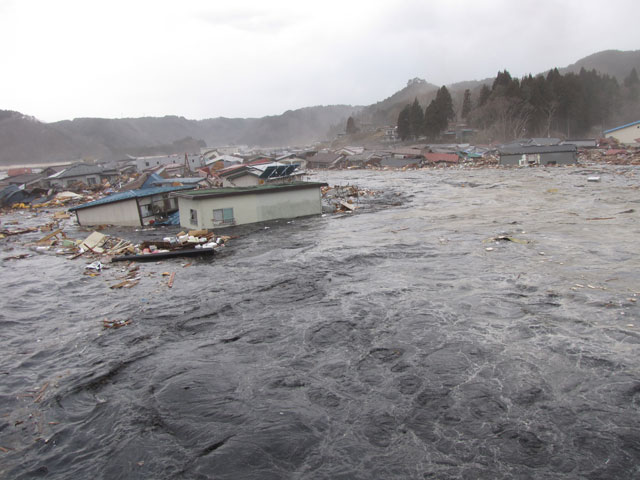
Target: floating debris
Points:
(115, 323)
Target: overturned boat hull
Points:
(151, 257)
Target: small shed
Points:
(628, 134)
(223, 207)
(531, 155)
(131, 208)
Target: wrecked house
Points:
(12, 194)
(222, 161)
(252, 175)
(531, 155)
(628, 134)
(292, 159)
(222, 207)
(131, 208)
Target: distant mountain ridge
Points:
(25, 140)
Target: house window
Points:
(194, 217)
(145, 210)
(91, 181)
(223, 216)
(146, 164)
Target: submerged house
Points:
(531, 155)
(131, 208)
(222, 207)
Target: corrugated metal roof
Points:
(520, 149)
(78, 170)
(140, 193)
(183, 180)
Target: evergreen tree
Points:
(503, 79)
(404, 123)
(466, 104)
(485, 93)
(632, 78)
(416, 119)
(351, 126)
(632, 83)
(445, 106)
(431, 122)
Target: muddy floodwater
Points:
(403, 341)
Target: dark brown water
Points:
(398, 342)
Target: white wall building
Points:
(628, 134)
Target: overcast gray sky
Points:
(63, 59)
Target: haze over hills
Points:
(612, 62)
(25, 140)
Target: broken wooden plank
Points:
(348, 205)
(48, 236)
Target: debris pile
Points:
(344, 198)
(611, 156)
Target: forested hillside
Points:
(569, 105)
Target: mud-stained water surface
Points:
(398, 342)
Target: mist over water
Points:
(396, 342)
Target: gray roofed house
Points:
(581, 143)
(395, 162)
(81, 173)
(26, 179)
(543, 141)
(407, 152)
(529, 155)
(324, 160)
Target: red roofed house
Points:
(13, 172)
(450, 158)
